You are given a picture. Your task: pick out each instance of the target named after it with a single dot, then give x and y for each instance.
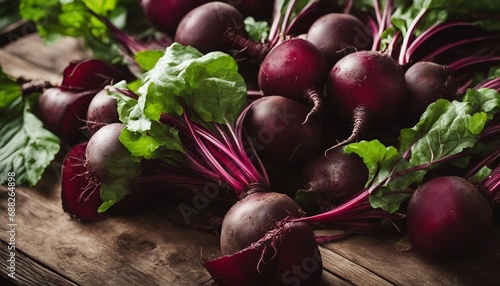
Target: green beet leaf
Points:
(26, 147)
(208, 86)
(55, 19)
(445, 129)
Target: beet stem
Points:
(406, 40)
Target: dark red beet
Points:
(107, 158)
(204, 27)
(338, 34)
(427, 82)
(102, 110)
(275, 125)
(91, 74)
(332, 178)
(295, 69)
(286, 255)
(80, 190)
(64, 112)
(165, 15)
(80, 196)
(252, 217)
(367, 86)
(446, 216)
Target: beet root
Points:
(250, 218)
(286, 255)
(275, 124)
(447, 216)
(332, 179)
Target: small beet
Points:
(276, 125)
(427, 82)
(338, 34)
(102, 110)
(332, 178)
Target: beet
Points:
(80, 197)
(426, 83)
(338, 34)
(252, 217)
(295, 69)
(64, 112)
(80, 190)
(332, 178)
(367, 86)
(286, 255)
(165, 15)
(204, 27)
(89, 74)
(275, 125)
(446, 216)
(106, 157)
(102, 110)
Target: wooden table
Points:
(148, 248)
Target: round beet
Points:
(333, 178)
(251, 218)
(102, 110)
(106, 157)
(165, 15)
(204, 27)
(446, 216)
(427, 82)
(81, 192)
(367, 87)
(367, 78)
(338, 34)
(295, 69)
(275, 125)
(286, 255)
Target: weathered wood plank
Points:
(30, 59)
(387, 256)
(350, 271)
(121, 250)
(30, 272)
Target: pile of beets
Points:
(315, 84)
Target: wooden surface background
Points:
(148, 248)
